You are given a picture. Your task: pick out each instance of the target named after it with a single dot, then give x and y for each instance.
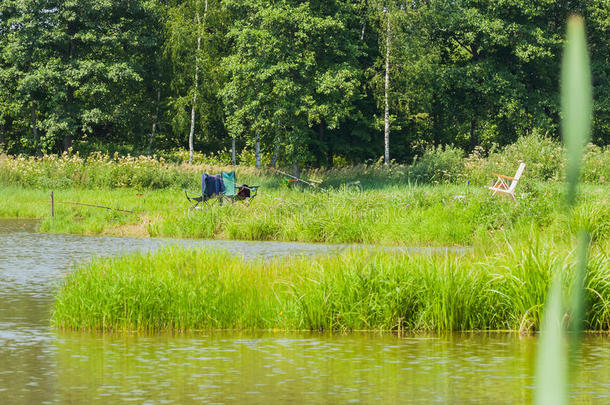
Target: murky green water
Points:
(40, 365)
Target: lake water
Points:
(41, 365)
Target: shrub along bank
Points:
(544, 158)
(178, 290)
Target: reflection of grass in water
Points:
(176, 289)
(552, 359)
(289, 366)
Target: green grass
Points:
(409, 215)
(425, 203)
(178, 289)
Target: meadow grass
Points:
(396, 215)
(181, 289)
(425, 203)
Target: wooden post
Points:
(52, 206)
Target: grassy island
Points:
(177, 290)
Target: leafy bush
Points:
(596, 167)
(543, 156)
(443, 164)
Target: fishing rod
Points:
(256, 190)
(311, 184)
(95, 206)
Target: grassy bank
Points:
(408, 215)
(176, 289)
(439, 199)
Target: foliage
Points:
(76, 69)
(596, 164)
(438, 165)
(187, 23)
(544, 158)
(305, 77)
(294, 66)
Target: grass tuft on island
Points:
(178, 289)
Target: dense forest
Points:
(311, 81)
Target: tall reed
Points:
(178, 289)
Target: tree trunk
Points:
(35, 134)
(192, 130)
(200, 29)
(387, 90)
(276, 152)
(296, 170)
(2, 129)
(70, 99)
(474, 141)
(196, 82)
(233, 160)
(154, 123)
(257, 150)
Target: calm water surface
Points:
(41, 365)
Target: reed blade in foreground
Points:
(551, 362)
(576, 101)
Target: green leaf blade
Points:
(576, 101)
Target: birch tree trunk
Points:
(154, 124)
(70, 92)
(35, 134)
(257, 150)
(387, 90)
(200, 29)
(276, 152)
(2, 129)
(233, 160)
